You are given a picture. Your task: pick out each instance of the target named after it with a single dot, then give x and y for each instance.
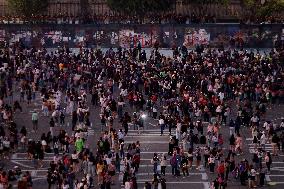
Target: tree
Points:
(271, 7)
(263, 8)
(28, 8)
(139, 7)
(203, 5)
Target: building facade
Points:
(99, 7)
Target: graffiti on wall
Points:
(193, 37)
(130, 38)
(166, 37)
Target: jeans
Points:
(155, 168)
(135, 126)
(45, 111)
(120, 112)
(91, 169)
(174, 169)
(232, 130)
(162, 128)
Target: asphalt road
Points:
(151, 142)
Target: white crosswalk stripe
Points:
(277, 169)
(145, 172)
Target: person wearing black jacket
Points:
(125, 120)
(184, 165)
(74, 119)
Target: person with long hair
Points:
(268, 161)
(239, 144)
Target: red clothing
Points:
(154, 98)
(221, 169)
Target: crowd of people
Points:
(109, 19)
(170, 18)
(193, 93)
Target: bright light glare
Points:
(143, 116)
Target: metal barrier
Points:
(165, 36)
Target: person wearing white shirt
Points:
(162, 125)
(282, 124)
(178, 130)
(252, 178)
(120, 135)
(262, 140)
(127, 184)
(108, 160)
(65, 186)
(155, 112)
(265, 124)
(254, 120)
(221, 96)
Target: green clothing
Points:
(34, 116)
(79, 144)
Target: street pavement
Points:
(151, 142)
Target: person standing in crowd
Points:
(155, 162)
(35, 120)
(190, 90)
(162, 124)
(174, 164)
(163, 164)
(268, 161)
